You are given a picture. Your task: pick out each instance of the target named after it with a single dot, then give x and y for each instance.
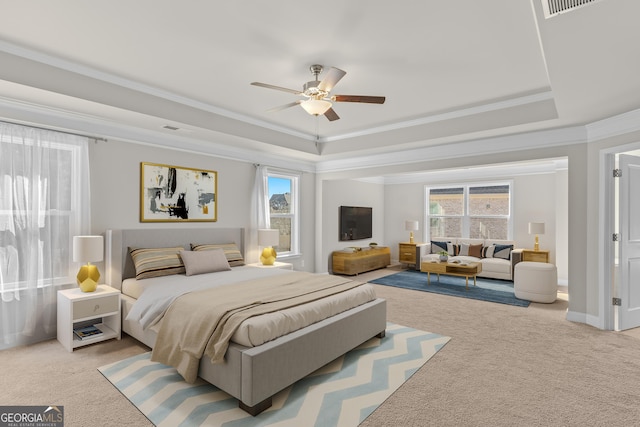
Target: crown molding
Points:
(470, 148)
(93, 73)
(613, 126)
(66, 121)
(434, 118)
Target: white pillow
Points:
(464, 249)
(200, 262)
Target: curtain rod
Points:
(278, 168)
(96, 138)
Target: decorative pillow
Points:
(503, 251)
(231, 251)
(204, 261)
(487, 251)
(475, 250)
(464, 249)
(156, 262)
(439, 246)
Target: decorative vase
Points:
(443, 258)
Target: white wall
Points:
(403, 202)
(115, 191)
(562, 226)
(336, 193)
(535, 201)
(535, 198)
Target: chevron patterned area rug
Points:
(342, 393)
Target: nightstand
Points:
(282, 265)
(408, 253)
(76, 308)
(535, 256)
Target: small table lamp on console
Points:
(411, 226)
(88, 249)
(536, 228)
(268, 238)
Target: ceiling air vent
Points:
(556, 7)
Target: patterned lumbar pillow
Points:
(231, 251)
(156, 262)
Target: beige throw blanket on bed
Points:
(203, 322)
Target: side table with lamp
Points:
(408, 251)
(536, 255)
(89, 305)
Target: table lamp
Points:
(411, 226)
(536, 228)
(88, 249)
(268, 238)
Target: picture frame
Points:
(177, 194)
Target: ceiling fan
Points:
(319, 100)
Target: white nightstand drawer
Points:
(95, 307)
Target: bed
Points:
(251, 374)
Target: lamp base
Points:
(268, 256)
(536, 244)
(411, 237)
(88, 277)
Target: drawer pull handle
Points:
(96, 308)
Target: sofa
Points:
(498, 257)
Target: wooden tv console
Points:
(365, 259)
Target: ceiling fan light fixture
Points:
(315, 107)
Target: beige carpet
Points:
(504, 366)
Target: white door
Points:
(629, 244)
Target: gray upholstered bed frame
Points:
(250, 374)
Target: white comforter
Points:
(155, 295)
(159, 292)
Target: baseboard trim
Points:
(585, 318)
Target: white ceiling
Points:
(450, 70)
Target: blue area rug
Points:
(342, 393)
(500, 291)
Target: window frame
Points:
(466, 215)
(51, 213)
(294, 210)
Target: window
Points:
(44, 201)
(39, 208)
(478, 211)
(283, 210)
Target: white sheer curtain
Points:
(259, 211)
(44, 201)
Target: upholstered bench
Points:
(536, 281)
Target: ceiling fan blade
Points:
(331, 115)
(282, 107)
(284, 89)
(333, 76)
(359, 98)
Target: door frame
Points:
(606, 228)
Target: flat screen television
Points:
(355, 223)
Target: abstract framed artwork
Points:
(177, 194)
